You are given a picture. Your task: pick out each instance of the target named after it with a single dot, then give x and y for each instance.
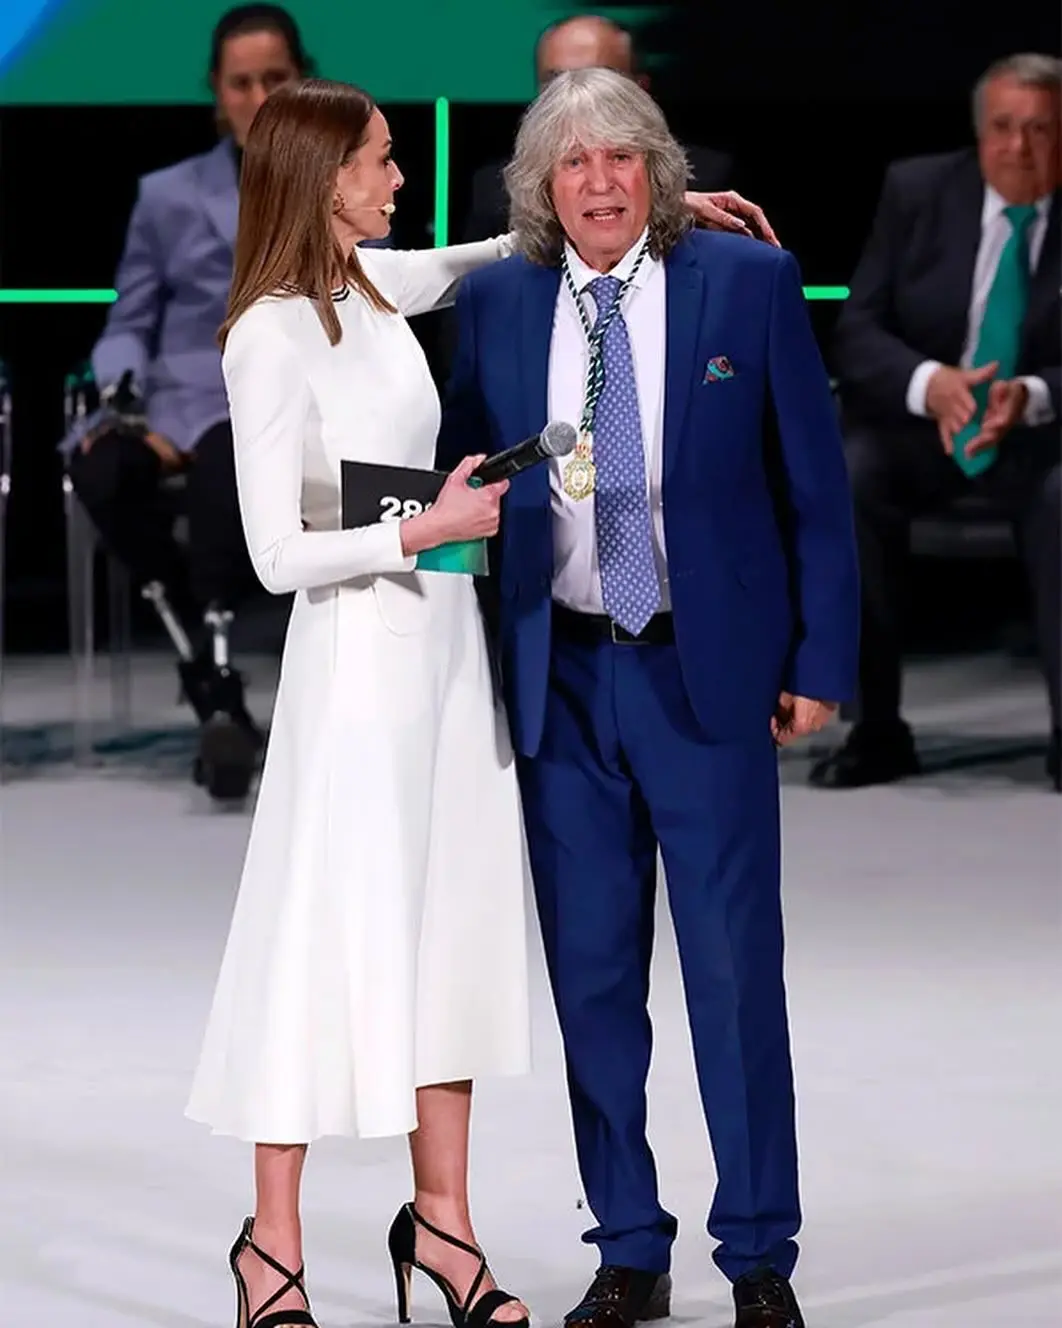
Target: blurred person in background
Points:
(583, 42)
(948, 355)
(164, 412)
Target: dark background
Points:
(811, 100)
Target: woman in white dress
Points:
(376, 962)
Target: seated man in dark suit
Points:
(584, 42)
(947, 354)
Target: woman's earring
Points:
(338, 204)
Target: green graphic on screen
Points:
(78, 52)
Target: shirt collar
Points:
(583, 274)
(992, 207)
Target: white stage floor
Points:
(924, 949)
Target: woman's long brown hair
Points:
(300, 137)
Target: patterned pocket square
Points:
(718, 369)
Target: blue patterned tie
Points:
(630, 588)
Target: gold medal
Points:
(579, 476)
(580, 473)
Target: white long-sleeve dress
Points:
(378, 939)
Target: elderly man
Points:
(948, 355)
(677, 596)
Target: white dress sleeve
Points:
(269, 405)
(420, 280)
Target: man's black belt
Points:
(594, 628)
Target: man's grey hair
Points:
(592, 108)
(1029, 70)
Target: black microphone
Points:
(556, 439)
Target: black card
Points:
(372, 493)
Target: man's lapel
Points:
(1046, 278)
(219, 187)
(538, 303)
(958, 239)
(687, 286)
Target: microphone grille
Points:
(558, 438)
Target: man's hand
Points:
(727, 211)
(166, 452)
(950, 401)
(1006, 405)
(797, 716)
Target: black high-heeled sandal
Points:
(292, 1282)
(470, 1313)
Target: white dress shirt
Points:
(576, 578)
(995, 232)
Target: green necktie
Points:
(1000, 337)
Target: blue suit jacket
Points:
(173, 289)
(757, 513)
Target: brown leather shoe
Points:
(621, 1297)
(764, 1299)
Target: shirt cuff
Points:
(916, 387)
(394, 560)
(1039, 409)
